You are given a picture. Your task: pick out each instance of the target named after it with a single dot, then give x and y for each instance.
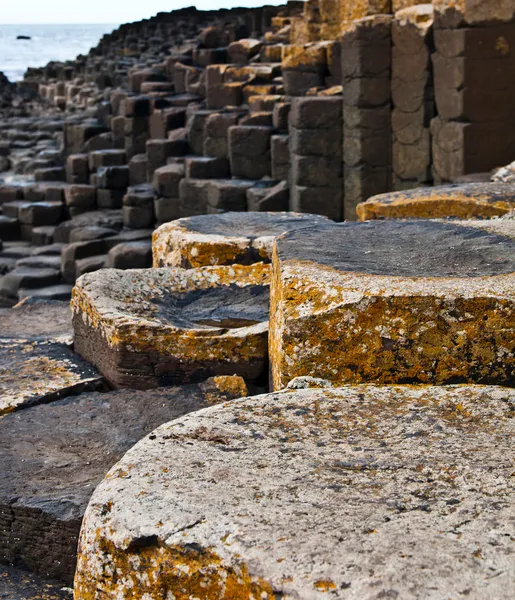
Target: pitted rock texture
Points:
(37, 364)
(464, 201)
(361, 492)
(155, 327)
(20, 585)
(53, 456)
(394, 302)
(225, 239)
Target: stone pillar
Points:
(366, 70)
(316, 156)
(412, 96)
(474, 70)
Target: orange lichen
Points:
(179, 572)
(385, 337)
(432, 206)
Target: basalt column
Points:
(316, 156)
(412, 96)
(474, 69)
(366, 71)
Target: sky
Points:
(104, 11)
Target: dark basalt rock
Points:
(53, 456)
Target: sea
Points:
(47, 43)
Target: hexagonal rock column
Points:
(153, 327)
(311, 492)
(37, 364)
(468, 201)
(225, 239)
(53, 456)
(393, 302)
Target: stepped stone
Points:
(456, 13)
(312, 494)
(474, 200)
(155, 327)
(43, 494)
(394, 302)
(225, 239)
(36, 363)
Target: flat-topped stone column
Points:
(467, 201)
(357, 492)
(393, 302)
(156, 327)
(367, 146)
(225, 239)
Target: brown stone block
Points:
(365, 146)
(225, 239)
(193, 197)
(314, 142)
(459, 13)
(156, 327)
(468, 201)
(367, 92)
(393, 302)
(413, 161)
(360, 183)
(325, 201)
(477, 43)
(459, 148)
(316, 171)
(316, 113)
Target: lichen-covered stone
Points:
(464, 201)
(456, 13)
(394, 302)
(360, 492)
(153, 327)
(225, 239)
(36, 361)
(53, 456)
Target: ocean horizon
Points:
(59, 42)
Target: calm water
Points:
(49, 42)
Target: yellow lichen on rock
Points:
(463, 202)
(359, 327)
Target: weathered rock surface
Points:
(360, 492)
(225, 239)
(53, 456)
(394, 302)
(20, 585)
(37, 364)
(154, 327)
(468, 201)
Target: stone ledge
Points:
(152, 327)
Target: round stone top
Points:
(417, 248)
(357, 492)
(224, 239)
(249, 224)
